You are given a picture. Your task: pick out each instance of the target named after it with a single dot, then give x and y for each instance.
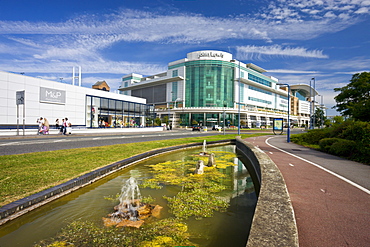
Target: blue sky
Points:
(294, 40)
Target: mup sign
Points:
(50, 95)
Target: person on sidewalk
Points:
(45, 127)
(40, 121)
(67, 127)
(61, 131)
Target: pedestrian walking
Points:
(61, 131)
(67, 127)
(57, 123)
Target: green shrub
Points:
(326, 143)
(361, 154)
(343, 148)
(356, 131)
(349, 139)
(315, 135)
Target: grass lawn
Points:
(25, 174)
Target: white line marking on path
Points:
(61, 140)
(10, 143)
(318, 166)
(291, 164)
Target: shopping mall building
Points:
(208, 85)
(24, 99)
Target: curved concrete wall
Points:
(24, 205)
(273, 222)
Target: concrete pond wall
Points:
(273, 223)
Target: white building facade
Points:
(84, 107)
(211, 88)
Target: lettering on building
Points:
(50, 95)
(211, 54)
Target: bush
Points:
(326, 143)
(356, 131)
(314, 136)
(349, 139)
(343, 148)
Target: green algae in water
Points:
(197, 197)
(200, 195)
(166, 232)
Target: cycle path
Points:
(330, 195)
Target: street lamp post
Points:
(173, 114)
(224, 115)
(288, 129)
(239, 100)
(314, 107)
(310, 127)
(239, 95)
(322, 108)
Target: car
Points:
(196, 128)
(216, 127)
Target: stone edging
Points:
(274, 221)
(15, 209)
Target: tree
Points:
(319, 117)
(354, 99)
(157, 121)
(338, 119)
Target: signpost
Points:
(20, 100)
(277, 126)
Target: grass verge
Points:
(25, 174)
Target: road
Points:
(9, 145)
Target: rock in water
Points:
(200, 167)
(211, 160)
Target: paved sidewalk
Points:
(330, 209)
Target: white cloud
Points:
(253, 52)
(363, 10)
(329, 14)
(313, 9)
(288, 71)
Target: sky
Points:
(294, 40)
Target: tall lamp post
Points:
(238, 96)
(288, 130)
(314, 107)
(322, 108)
(173, 114)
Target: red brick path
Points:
(328, 210)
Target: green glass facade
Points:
(209, 84)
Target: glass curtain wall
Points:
(209, 83)
(107, 113)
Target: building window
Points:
(259, 80)
(209, 84)
(103, 112)
(174, 90)
(260, 90)
(260, 100)
(241, 92)
(175, 73)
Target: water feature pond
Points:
(210, 209)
